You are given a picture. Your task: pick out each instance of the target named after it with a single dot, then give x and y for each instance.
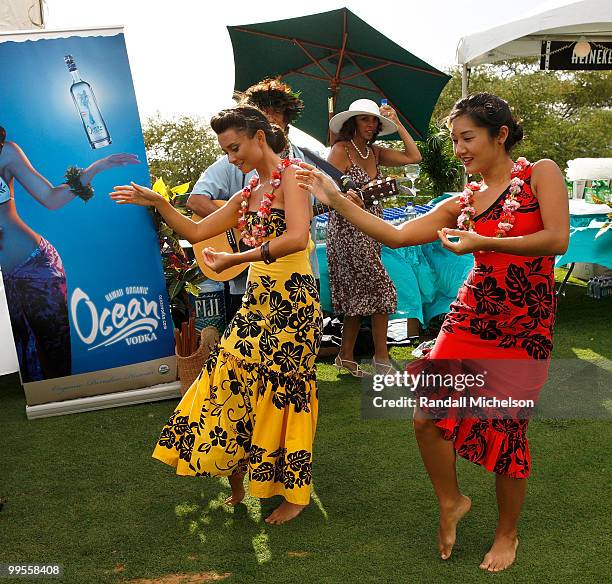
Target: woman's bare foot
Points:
(447, 529)
(236, 481)
(284, 512)
(502, 553)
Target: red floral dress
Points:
(504, 312)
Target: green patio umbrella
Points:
(334, 58)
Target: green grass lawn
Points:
(82, 490)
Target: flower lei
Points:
(73, 180)
(262, 228)
(465, 220)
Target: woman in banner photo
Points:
(359, 283)
(34, 277)
(254, 405)
(514, 221)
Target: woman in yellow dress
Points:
(253, 408)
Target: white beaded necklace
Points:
(359, 151)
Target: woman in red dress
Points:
(514, 221)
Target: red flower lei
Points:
(465, 220)
(255, 237)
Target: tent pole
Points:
(464, 80)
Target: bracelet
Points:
(265, 253)
(73, 180)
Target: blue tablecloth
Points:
(427, 278)
(583, 247)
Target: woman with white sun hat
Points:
(359, 283)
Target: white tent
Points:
(586, 19)
(21, 14)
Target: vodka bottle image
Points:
(85, 102)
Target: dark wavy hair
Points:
(249, 119)
(348, 129)
(273, 94)
(491, 112)
(2, 135)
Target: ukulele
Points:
(230, 242)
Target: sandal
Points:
(357, 372)
(383, 368)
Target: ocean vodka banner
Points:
(84, 282)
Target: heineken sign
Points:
(561, 55)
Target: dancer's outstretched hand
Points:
(217, 261)
(134, 194)
(469, 241)
(122, 159)
(321, 186)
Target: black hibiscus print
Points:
(279, 464)
(538, 346)
(288, 357)
(279, 399)
(181, 424)
(211, 362)
(167, 438)
(302, 321)
(185, 446)
(280, 310)
(489, 296)
(218, 436)
(297, 396)
(244, 433)
(234, 385)
(535, 266)
(305, 474)
(297, 459)
(245, 347)
(268, 284)
(517, 284)
(300, 286)
(267, 342)
(485, 329)
(507, 342)
(289, 480)
(256, 453)
(248, 325)
(262, 473)
(540, 301)
(249, 296)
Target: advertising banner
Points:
(83, 276)
(562, 56)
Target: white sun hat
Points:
(362, 107)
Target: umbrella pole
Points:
(331, 108)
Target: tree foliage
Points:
(565, 114)
(180, 149)
(441, 171)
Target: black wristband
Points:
(265, 253)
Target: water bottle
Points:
(596, 289)
(208, 307)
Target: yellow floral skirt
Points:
(254, 406)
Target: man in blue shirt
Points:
(221, 179)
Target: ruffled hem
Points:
(499, 445)
(213, 432)
(497, 451)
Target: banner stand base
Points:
(106, 400)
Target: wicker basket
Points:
(189, 367)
